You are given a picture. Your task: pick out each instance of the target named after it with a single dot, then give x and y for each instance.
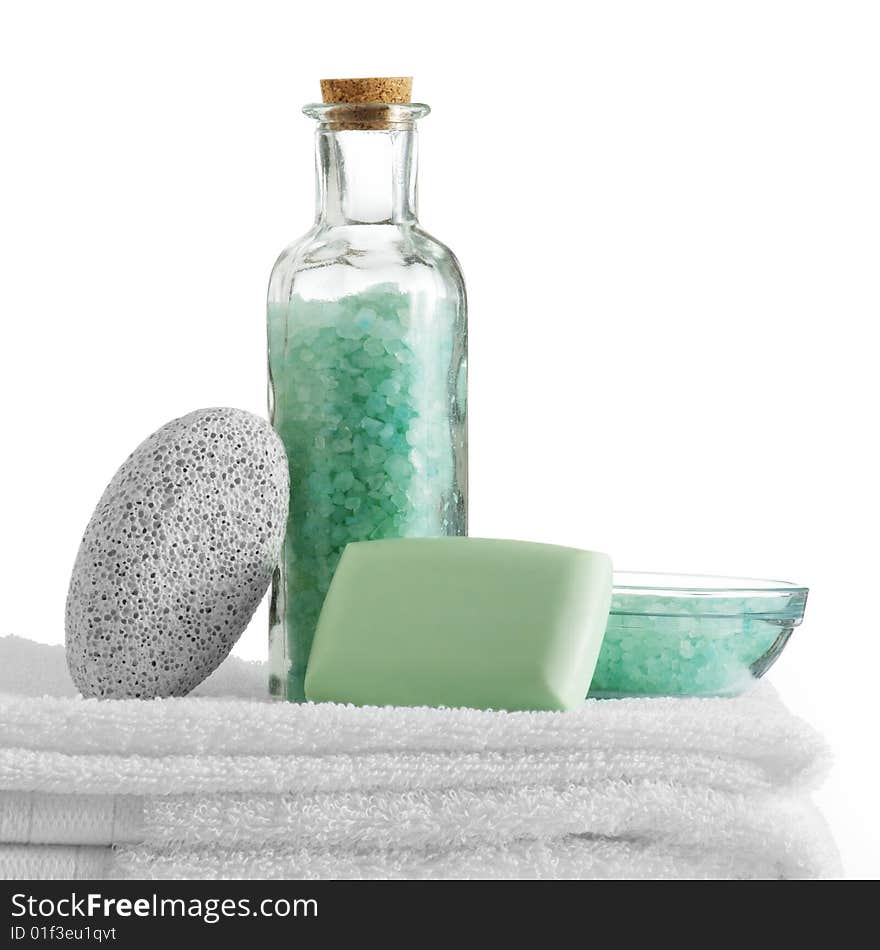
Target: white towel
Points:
(451, 818)
(224, 787)
(54, 863)
(579, 857)
(574, 858)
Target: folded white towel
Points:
(754, 826)
(24, 769)
(568, 859)
(579, 857)
(754, 731)
(188, 784)
(54, 863)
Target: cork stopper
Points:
(376, 104)
(387, 89)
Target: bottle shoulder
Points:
(356, 255)
(289, 256)
(434, 248)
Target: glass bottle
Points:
(367, 369)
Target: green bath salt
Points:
(367, 395)
(693, 642)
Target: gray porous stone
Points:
(177, 556)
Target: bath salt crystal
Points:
(360, 399)
(688, 647)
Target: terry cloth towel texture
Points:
(226, 784)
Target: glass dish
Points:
(691, 635)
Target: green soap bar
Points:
(460, 622)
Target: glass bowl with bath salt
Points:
(692, 635)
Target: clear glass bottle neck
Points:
(366, 176)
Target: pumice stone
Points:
(177, 556)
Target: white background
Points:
(667, 215)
